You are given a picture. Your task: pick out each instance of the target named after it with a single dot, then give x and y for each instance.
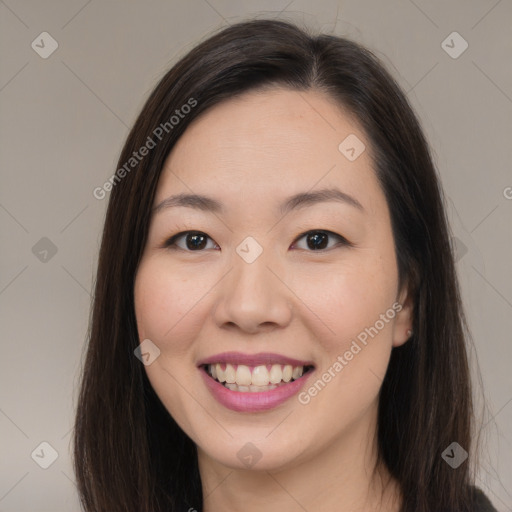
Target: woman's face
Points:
(274, 283)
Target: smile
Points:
(254, 379)
(247, 383)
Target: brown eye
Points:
(319, 240)
(194, 241)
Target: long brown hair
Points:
(129, 454)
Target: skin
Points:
(251, 153)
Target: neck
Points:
(343, 477)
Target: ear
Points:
(402, 331)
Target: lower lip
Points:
(253, 402)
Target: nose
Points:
(253, 297)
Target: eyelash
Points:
(171, 242)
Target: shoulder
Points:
(481, 501)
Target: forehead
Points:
(267, 141)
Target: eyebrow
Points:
(297, 201)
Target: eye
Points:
(194, 241)
(317, 240)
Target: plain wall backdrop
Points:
(66, 110)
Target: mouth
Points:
(243, 378)
(246, 383)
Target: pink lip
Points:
(253, 402)
(263, 358)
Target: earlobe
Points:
(403, 331)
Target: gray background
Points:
(63, 122)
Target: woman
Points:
(277, 323)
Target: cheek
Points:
(165, 307)
(356, 303)
(348, 298)
(165, 313)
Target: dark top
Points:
(482, 503)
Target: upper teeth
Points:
(259, 376)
